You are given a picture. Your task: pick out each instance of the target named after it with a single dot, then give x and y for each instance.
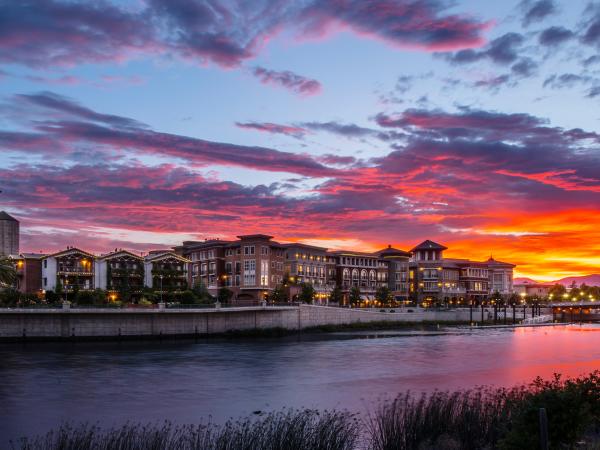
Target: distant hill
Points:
(524, 281)
(590, 280)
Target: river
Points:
(42, 385)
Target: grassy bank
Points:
(483, 418)
(358, 326)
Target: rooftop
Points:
(429, 245)
(5, 216)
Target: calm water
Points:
(42, 385)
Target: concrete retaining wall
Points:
(65, 323)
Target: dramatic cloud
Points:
(553, 36)
(58, 33)
(274, 128)
(441, 181)
(536, 11)
(85, 127)
(502, 50)
(591, 33)
(566, 80)
(288, 80)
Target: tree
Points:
(224, 295)
(279, 294)
(354, 296)
(307, 293)
(336, 295)
(557, 291)
(8, 273)
(188, 298)
(9, 297)
(52, 297)
(201, 292)
(384, 295)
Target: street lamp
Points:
(161, 288)
(66, 290)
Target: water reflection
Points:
(110, 383)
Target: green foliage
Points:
(384, 295)
(572, 406)
(201, 291)
(307, 293)
(95, 297)
(188, 298)
(279, 294)
(224, 295)
(336, 295)
(148, 295)
(489, 418)
(8, 272)
(557, 291)
(10, 297)
(52, 297)
(354, 295)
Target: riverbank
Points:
(555, 412)
(124, 324)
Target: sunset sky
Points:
(342, 123)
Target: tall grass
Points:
(288, 430)
(487, 418)
(483, 418)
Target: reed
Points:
(287, 430)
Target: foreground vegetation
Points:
(483, 418)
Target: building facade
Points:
(166, 273)
(121, 273)
(439, 280)
(312, 265)
(9, 235)
(69, 271)
(29, 272)
(250, 267)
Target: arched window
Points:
(346, 274)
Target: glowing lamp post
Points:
(161, 287)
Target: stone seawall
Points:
(107, 323)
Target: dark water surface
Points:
(42, 385)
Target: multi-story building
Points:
(251, 266)
(9, 235)
(72, 269)
(121, 273)
(363, 270)
(435, 279)
(207, 265)
(166, 273)
(397, 262)
(29, 272)
(261, 263)
(501, 277)
(310, 264)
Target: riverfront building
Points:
(121, 273)
(252, 266)
(166, 272)
(9, 234)
(310, 264)
(29, 272)
(71, 269)
(435, 279)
